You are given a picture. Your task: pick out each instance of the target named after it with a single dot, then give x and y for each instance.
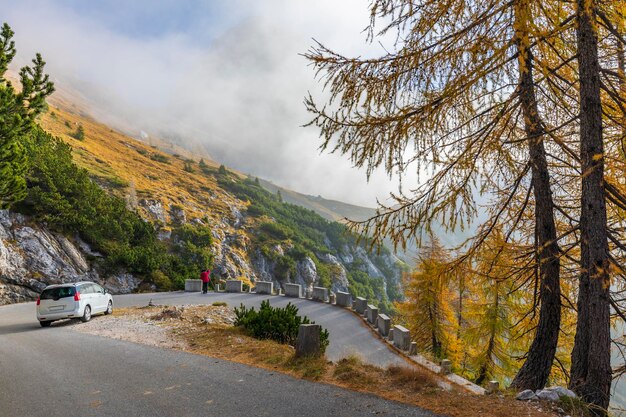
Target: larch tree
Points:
(536, 369)
(18, 111)
(591, 372)
(456, 100)
(427, 311)
(490, 310)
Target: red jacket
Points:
(205, 276)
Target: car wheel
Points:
(45, 323)
(86, 315)
(109, 309)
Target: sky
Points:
(223, 75)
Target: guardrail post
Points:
(308, 341)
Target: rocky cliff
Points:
(32, 257)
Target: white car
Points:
(76, 300)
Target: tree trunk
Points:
(434, 323)
(621, 71)
(482, 373)
(591, 357)
(536, 369)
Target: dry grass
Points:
(398, 383)
(125, 165)
(411, 378)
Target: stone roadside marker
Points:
(401, 337)
(264, 287)
(446, 367)
(320, 294)
(360, 304)
(383, 322)
(234, 285)
(344, 299)
(308, 341)
(193, 285)
(293, 290)
(372, 314)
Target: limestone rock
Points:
(155, 209)
(164, 234)
(547, 395)
(32, 257)
(178, 216)
(562, 392)
(122, 283)
(527, 395)
(306, 273)
(338, 275)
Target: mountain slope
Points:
(329, 209)
(255, 235)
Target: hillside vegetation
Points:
(165, 216)
(64, 197)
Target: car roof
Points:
(69, 284)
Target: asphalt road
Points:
(348, 333)
(58, 372)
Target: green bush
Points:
(159, 157)
(79, 134)
(275, 323)
(161, 280)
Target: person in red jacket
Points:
(205, 276)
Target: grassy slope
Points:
(125, 164)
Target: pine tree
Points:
(17, 113)
(536, 369)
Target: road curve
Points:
(59, 372)
(348, 333)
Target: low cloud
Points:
(232, 82)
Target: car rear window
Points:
(56, 293)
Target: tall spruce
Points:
(18, 110)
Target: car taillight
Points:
(38, 300)
(77, 296)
